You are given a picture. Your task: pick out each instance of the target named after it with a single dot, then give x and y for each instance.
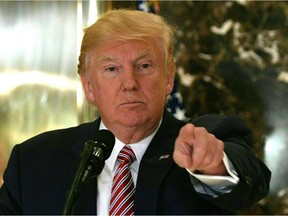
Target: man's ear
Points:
(87, 87)
(170, 77)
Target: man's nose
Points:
(130, 80)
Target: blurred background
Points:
(232, 58)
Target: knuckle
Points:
(208, 161)
(200, 130)
(220, 145)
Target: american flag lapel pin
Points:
(164, 157)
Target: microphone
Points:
(96, 152)
(93, 157)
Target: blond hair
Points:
(126, 24)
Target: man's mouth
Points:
(131, 104)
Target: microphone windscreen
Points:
(106, 140)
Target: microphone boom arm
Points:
(92, 163)
(79, 177)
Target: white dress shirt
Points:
(213, 185)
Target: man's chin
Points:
(134, 117)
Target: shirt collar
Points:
(139, 148)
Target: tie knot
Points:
(126, 155)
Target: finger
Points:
(186, 133)
(219, 153)
(183, 146)
(213, 164)
(182, 159)
(199, 145)
(212, 153)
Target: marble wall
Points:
(232, 58)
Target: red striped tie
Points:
(122, 196)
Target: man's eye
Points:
(145, 66)
(111, 69)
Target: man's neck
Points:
(131, 135)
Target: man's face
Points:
(128, 82)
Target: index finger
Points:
(187, 132)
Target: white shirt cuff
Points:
(216, 181)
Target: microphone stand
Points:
(79, 178)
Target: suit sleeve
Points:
(253, 173)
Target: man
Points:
(127, 71)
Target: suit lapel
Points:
(154, 166)
(86, 199)
(86, 203)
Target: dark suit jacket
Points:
(41, 170)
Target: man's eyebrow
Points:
(145, 54)
(106, 59)
(140, 56)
